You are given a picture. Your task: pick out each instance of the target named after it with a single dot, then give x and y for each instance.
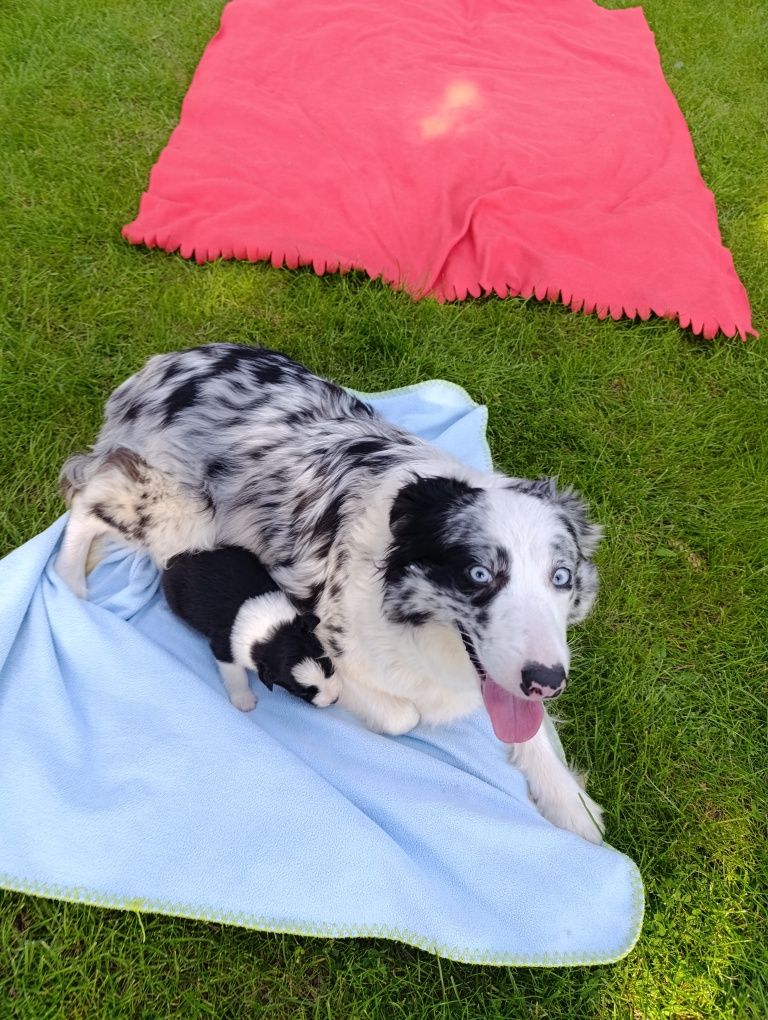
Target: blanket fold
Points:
(128, 780)
(452, 149)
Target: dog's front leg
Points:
(380, 711)
(555, 790)
(235, 680)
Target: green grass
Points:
(666, 435)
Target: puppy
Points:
(227, 595)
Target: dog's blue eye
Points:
(479, 575)
(562, 578)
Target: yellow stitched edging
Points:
(294, 926)
(411, 388)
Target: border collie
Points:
(228, 596)
(438, 587)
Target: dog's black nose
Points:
(543, 681)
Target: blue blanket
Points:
(128, 780)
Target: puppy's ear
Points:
(308, 622)
(326, 665)
(265, 674)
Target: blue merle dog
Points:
(439, 588)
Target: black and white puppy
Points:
(227, 595)
(439, 588)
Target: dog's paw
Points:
(244, 700)
(573, 809)
(328, 693)
(401, 717)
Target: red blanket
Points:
(451, 147)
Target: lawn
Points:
(666, 434)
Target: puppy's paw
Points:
(244, 700)
(573, 809)
(329, 692)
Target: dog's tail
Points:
(80, 468)
(74, 474)
(119, 494)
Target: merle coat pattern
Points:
(438, 587)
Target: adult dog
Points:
(438, 587)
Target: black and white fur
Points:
(227, 595)
(429, 577)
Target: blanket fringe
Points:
(321, 265)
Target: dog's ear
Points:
(572, 507)
(430, 496)
(576, 513)
(418, 517)
(308, 622)
(425, 503)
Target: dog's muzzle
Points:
(541, 681)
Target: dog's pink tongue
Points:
(514, 720)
